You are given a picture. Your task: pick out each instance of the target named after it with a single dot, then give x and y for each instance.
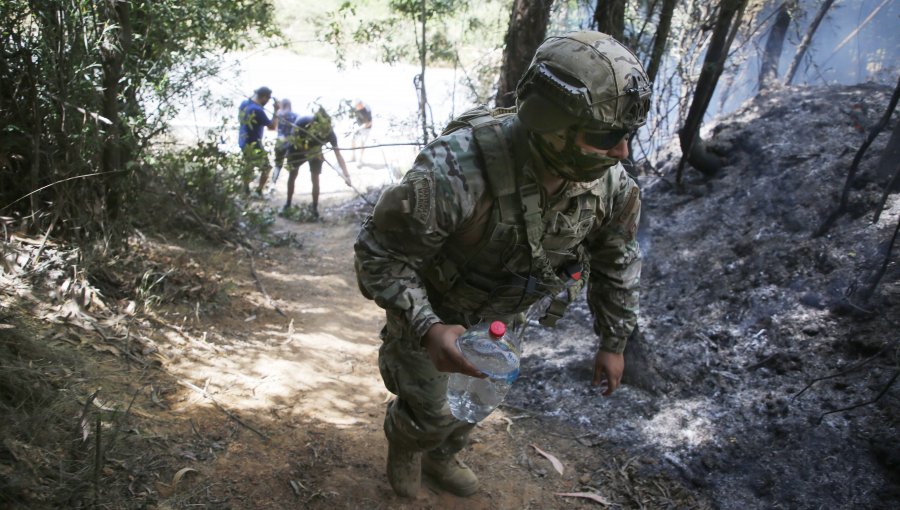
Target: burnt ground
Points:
(743, 309)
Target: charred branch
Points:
(873, 133)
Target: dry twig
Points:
(843, 372)
(876, 399)
(220, 408)
(259, 285)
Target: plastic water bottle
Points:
(488, 348)
(538, 311)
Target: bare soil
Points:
(229, 404)
(309, 382)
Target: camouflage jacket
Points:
(444, 213)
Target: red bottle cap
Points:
(576, 276)
(497, 329)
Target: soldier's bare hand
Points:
(608, 367)
(440, 342)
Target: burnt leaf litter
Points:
(753, 338)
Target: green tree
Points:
(425, 32)
(85, 88)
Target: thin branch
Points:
(807, 38)
(226, 411)
(355, 190)
(876, 278)
(873, 133)
(862, 404)
(43, 241)
(42, 188)
(260, 286)
(844, 371)
(856, 31)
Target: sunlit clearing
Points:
(316, 375)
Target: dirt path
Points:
(309, 382)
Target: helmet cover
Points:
(584, 79)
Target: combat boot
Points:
(404, 470)
(450, 474)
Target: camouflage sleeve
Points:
(614, 285)
(408, 227)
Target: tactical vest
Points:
(524, 254)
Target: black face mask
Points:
(567, 160)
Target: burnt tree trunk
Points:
(609, 17)
(527, 29)
(873, 133)
(887, 165)
(692, 146)
(804, 43)
(768, 68)
(661, 38)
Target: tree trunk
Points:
(804, 43)
(423, 60)
(115, 46)
(873, 133)
(692, 146)
(661, 38)
(609, 17)
(890, 158)
(768, 68)
(527, 29)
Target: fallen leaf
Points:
(586, 495)
(107, 348)
(553, 460)
(180, 474)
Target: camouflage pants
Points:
(419, 418)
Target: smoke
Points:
(841, 53)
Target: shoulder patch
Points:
(405, 207)
(422, 196)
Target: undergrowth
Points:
(199, 190)
(51, 455)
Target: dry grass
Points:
(73, 433)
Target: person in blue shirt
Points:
(252, 119)
(287, 119)
(308, 137)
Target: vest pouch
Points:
(565, 231)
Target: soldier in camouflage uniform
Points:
(494, 215)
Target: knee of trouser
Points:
(454, 442)
(413, 430)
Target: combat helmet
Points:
(585, 79)
(587, 85)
